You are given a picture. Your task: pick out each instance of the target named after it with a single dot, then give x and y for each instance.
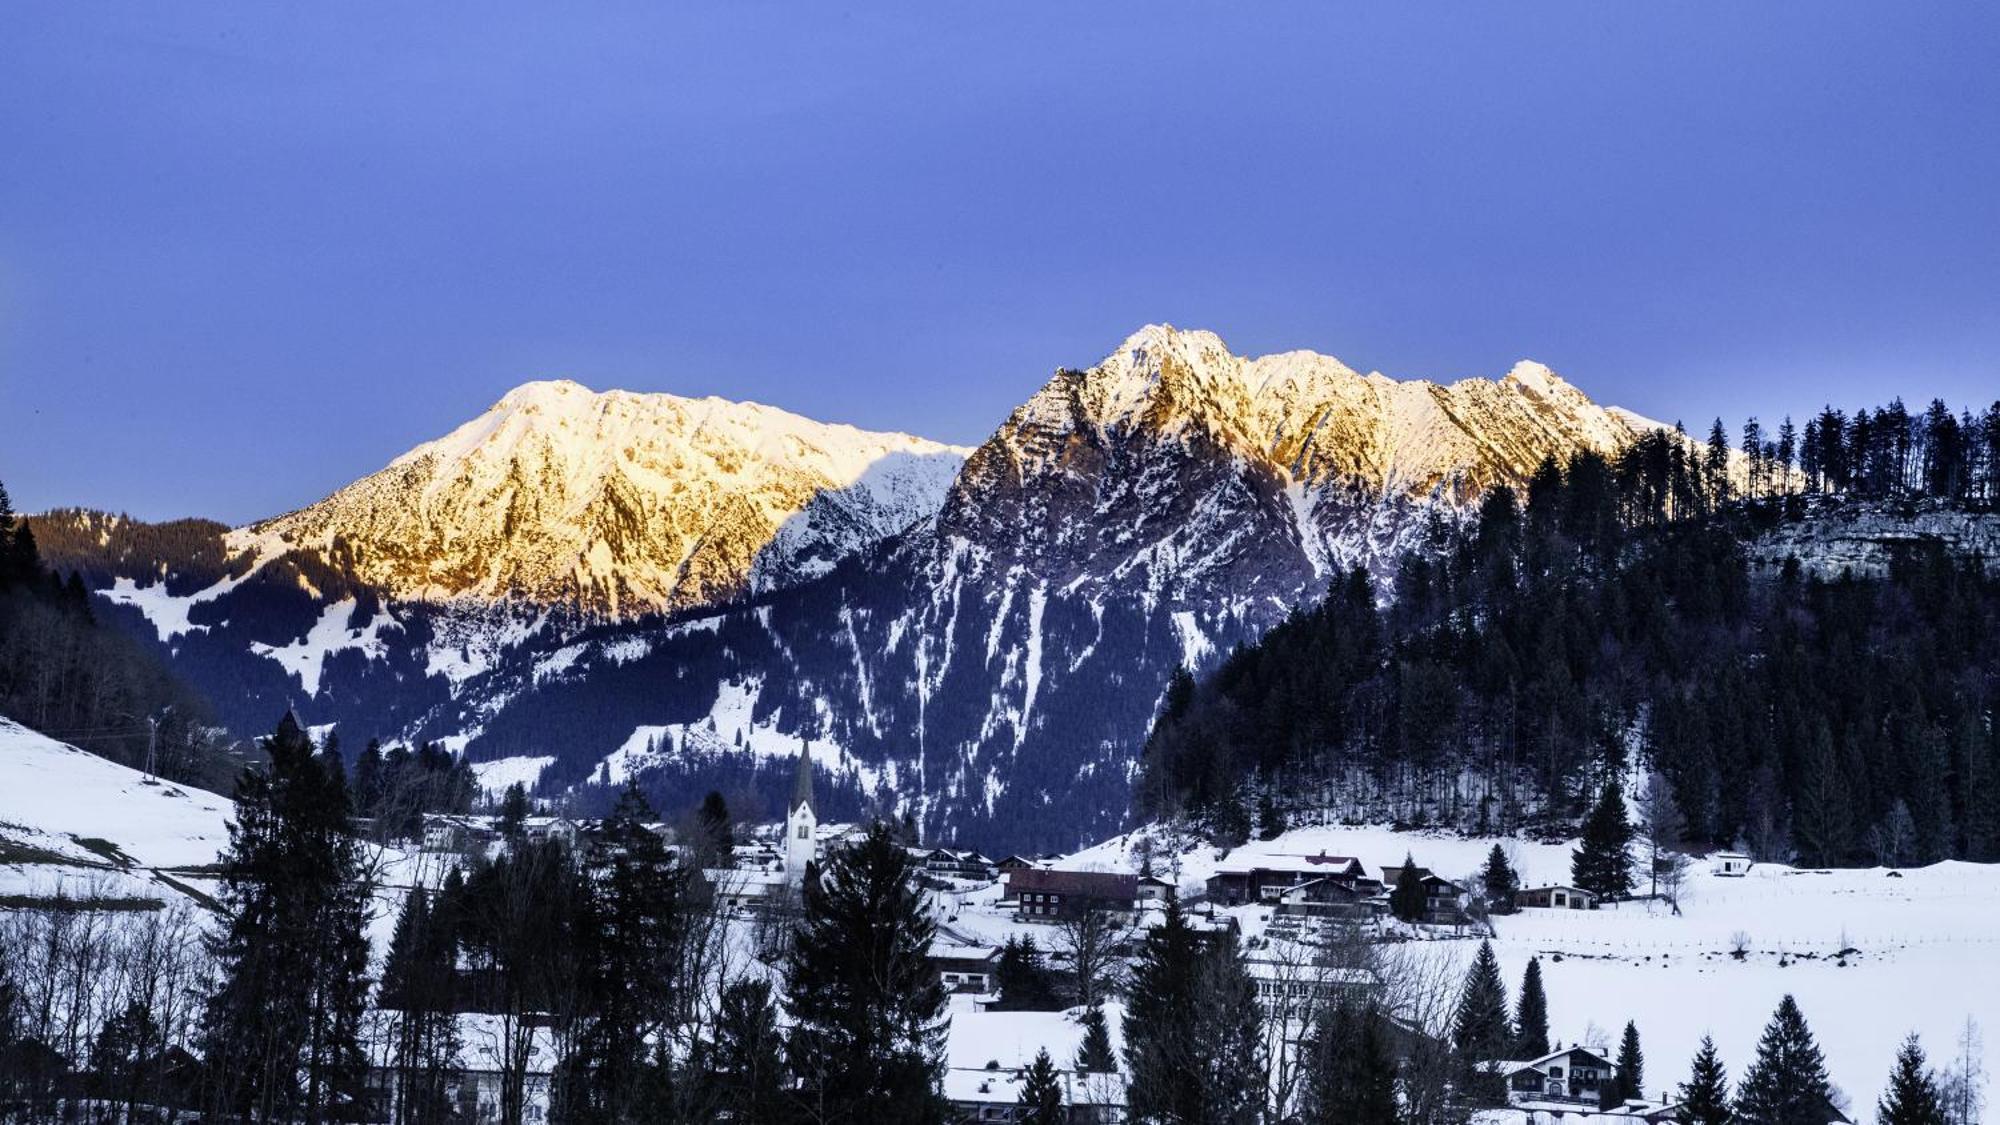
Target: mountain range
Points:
(577, 588)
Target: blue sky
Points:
(248, 252)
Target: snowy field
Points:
(1924, 942)
(1870, 955)
(53, 795)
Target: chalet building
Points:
(1556, 898)
(949, 863)
(1444, 900)
(544, 828)
(965, 968)
(1356, 900)
(1572, 1075)
(1016, 863)
(1263, 878)
(478, 1088)
(1041, 895)
(1732, 864)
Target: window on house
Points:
(803, 830)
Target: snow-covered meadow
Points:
(1923, 950)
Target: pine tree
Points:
(1704, 1097)
(513, 810)
(368, 779)
(1406, 901)
(1480, 1030)
(1025, 982)
(1912, 1097)
(1602, 863)
(1192, 1041)
(1270, 818)
(1531, 1018)
(1629, 1079)
(715, 835)
(1787, 1084)
(1230, 1036)
(748, 1062)
(867, 1009)
(1042, 1094)
(1350, 1073)
(1502, 884)
(282, 1030)
(629, 942)
(1094, 1055)
(418, 977)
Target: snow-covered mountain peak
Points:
(619, 503)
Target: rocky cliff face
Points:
(1833, 538)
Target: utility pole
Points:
(153, 740)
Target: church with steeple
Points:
(801, 821)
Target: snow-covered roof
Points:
(1321, 864)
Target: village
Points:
(1308, 923)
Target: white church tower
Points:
(801, 822)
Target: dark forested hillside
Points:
(1615, 611)
(67, 675)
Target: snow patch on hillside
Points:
(496, 776)
(168, 614)
(306, 656)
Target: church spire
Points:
(802, 783)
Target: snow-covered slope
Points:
(55, 794)
(76, 824)
(1870, 955)
(617, 503)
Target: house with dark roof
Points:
(1042, 895)
(1241, 878)
(1576, 1075)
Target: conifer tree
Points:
(513, 810)
(1704, 1097)
(417, 985)
(715, 834)
(1502, 884)
(1230, 1036)
(1787, 1084)
(1193, 1045)
(748, 1061)
(1042, 1094)
(1406, 901)
(630, 942)
(1531, 1016)
(1024, 979)
(1912, 1097)
(1629, 1079)
(1094, 1055)
(867, 1009)
(1602, 863)
(1350, 1073)
(282, 1030)
(1480, 1030)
